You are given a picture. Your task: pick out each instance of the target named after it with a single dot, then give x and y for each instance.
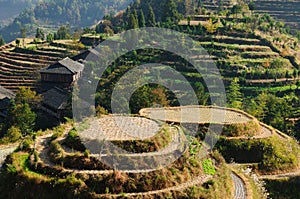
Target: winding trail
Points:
(5, 151)
(240, 187)
(231, 117)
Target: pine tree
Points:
(170, 12)
(133, 22)
(151, 22)
(234, 95)
(142, 22)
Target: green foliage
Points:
(50, 38)
(271, 110)
(234, 96)
(287, 188)
(40, 34)
(208, 167)
(62, 33)
(133, 22)
(147, 96)
(13, 134)
(142, 22)
(26, 144)
(21, 116)
(73, 141)
(57, 132)
(170, 13)
(273, 154)
(151, 22)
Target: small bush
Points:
(208, 167)
(73, 141)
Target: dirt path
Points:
(240, 187)
(281, 176)
(4, 152)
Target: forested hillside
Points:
(11, 8)
(53, 13)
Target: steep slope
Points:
(10, 9)
(51, 14)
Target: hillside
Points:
(10, 9)
(287, 11)
(153, 141)
(52, 14)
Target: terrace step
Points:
(34, 56)
(15, 76)
(20, 63)
(26, 59)
(17, 67)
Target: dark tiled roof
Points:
(4, 93)
(66, 67)
(92, 54)
(55, 98)
(4, 103)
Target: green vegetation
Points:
(73, 141)
(272, 154)
(156, 143)
(257, 57)
(283, 188)
(208, 167)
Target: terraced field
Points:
(121, 128)
(93, 170)
(236, 51)
(20, 67)
(287, 11)
(197, 114)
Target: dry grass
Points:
(117, 127)
(198, 115)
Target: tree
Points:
(26, 95)
(23, 31)
(18, 42)
(50, 38)
(234, 95)
(13, 134)
(20, 112)
(133, 22)
(39, 34)
(2, 42)
(62, 33)
(251, 6)
(21, 116)
(100, 28)
(170, 13)
(211, 26)
(142, 22)
(236, 9)
(151, 22)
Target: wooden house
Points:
(63, 72)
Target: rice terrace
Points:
(226, 126)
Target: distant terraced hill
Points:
(287, 10)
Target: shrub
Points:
(57, 132)
(208, 167)
(26, 144)
(73, 141)
(13, 134)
